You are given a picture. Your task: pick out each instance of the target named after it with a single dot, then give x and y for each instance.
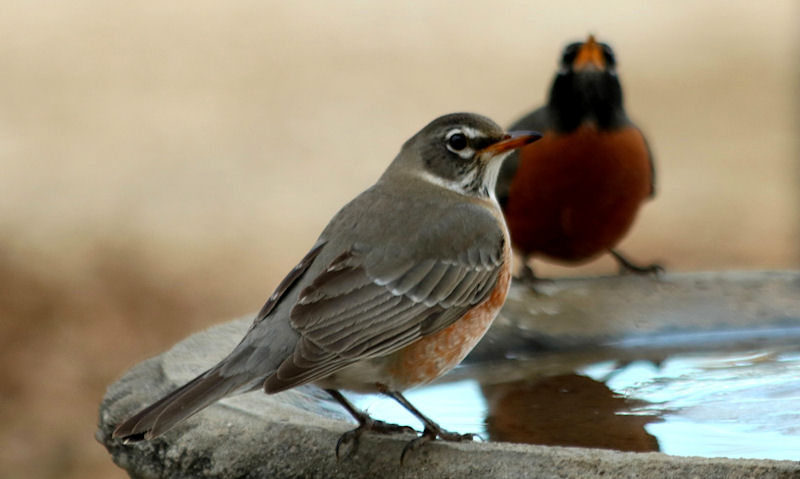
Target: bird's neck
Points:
(577, 100)
(477, 184)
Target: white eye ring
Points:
(457, 141)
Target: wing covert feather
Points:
(347, 314)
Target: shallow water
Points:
(722, 404)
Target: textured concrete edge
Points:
(254, 436)
(293, 451)
(227, 444)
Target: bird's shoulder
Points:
(413, 221)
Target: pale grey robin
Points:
(575, 194)
(398, 288)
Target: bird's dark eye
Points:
(457, 141)
(570, 52)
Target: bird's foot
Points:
(627, 267)
(350, 438)
(432, 432)
(527, 277)
(365, 423)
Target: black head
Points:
(462, 151)
(586, 88)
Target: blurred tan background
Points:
(162, 164)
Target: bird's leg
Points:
(625, 266)
(365, 423)
(432, 430)
(527, 277)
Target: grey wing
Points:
(652, 165)
(538, 121)
(354, 310)
(650, 158)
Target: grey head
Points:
(460, 151)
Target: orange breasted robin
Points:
(399, 287)
(574, 195)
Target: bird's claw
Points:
(351, 436)
(626, 266)
(381, 427)
(430, 434)
(630, 268)
(527, 277)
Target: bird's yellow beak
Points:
(512, 141)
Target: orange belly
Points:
(434, 355)
(575, 196)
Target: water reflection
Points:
(566, 410)
(743, 404)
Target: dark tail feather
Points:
(178, 405)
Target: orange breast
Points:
(574, 196)
(434, 355)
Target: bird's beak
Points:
(589, 57)
(512, 141)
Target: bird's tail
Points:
(178, 405)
